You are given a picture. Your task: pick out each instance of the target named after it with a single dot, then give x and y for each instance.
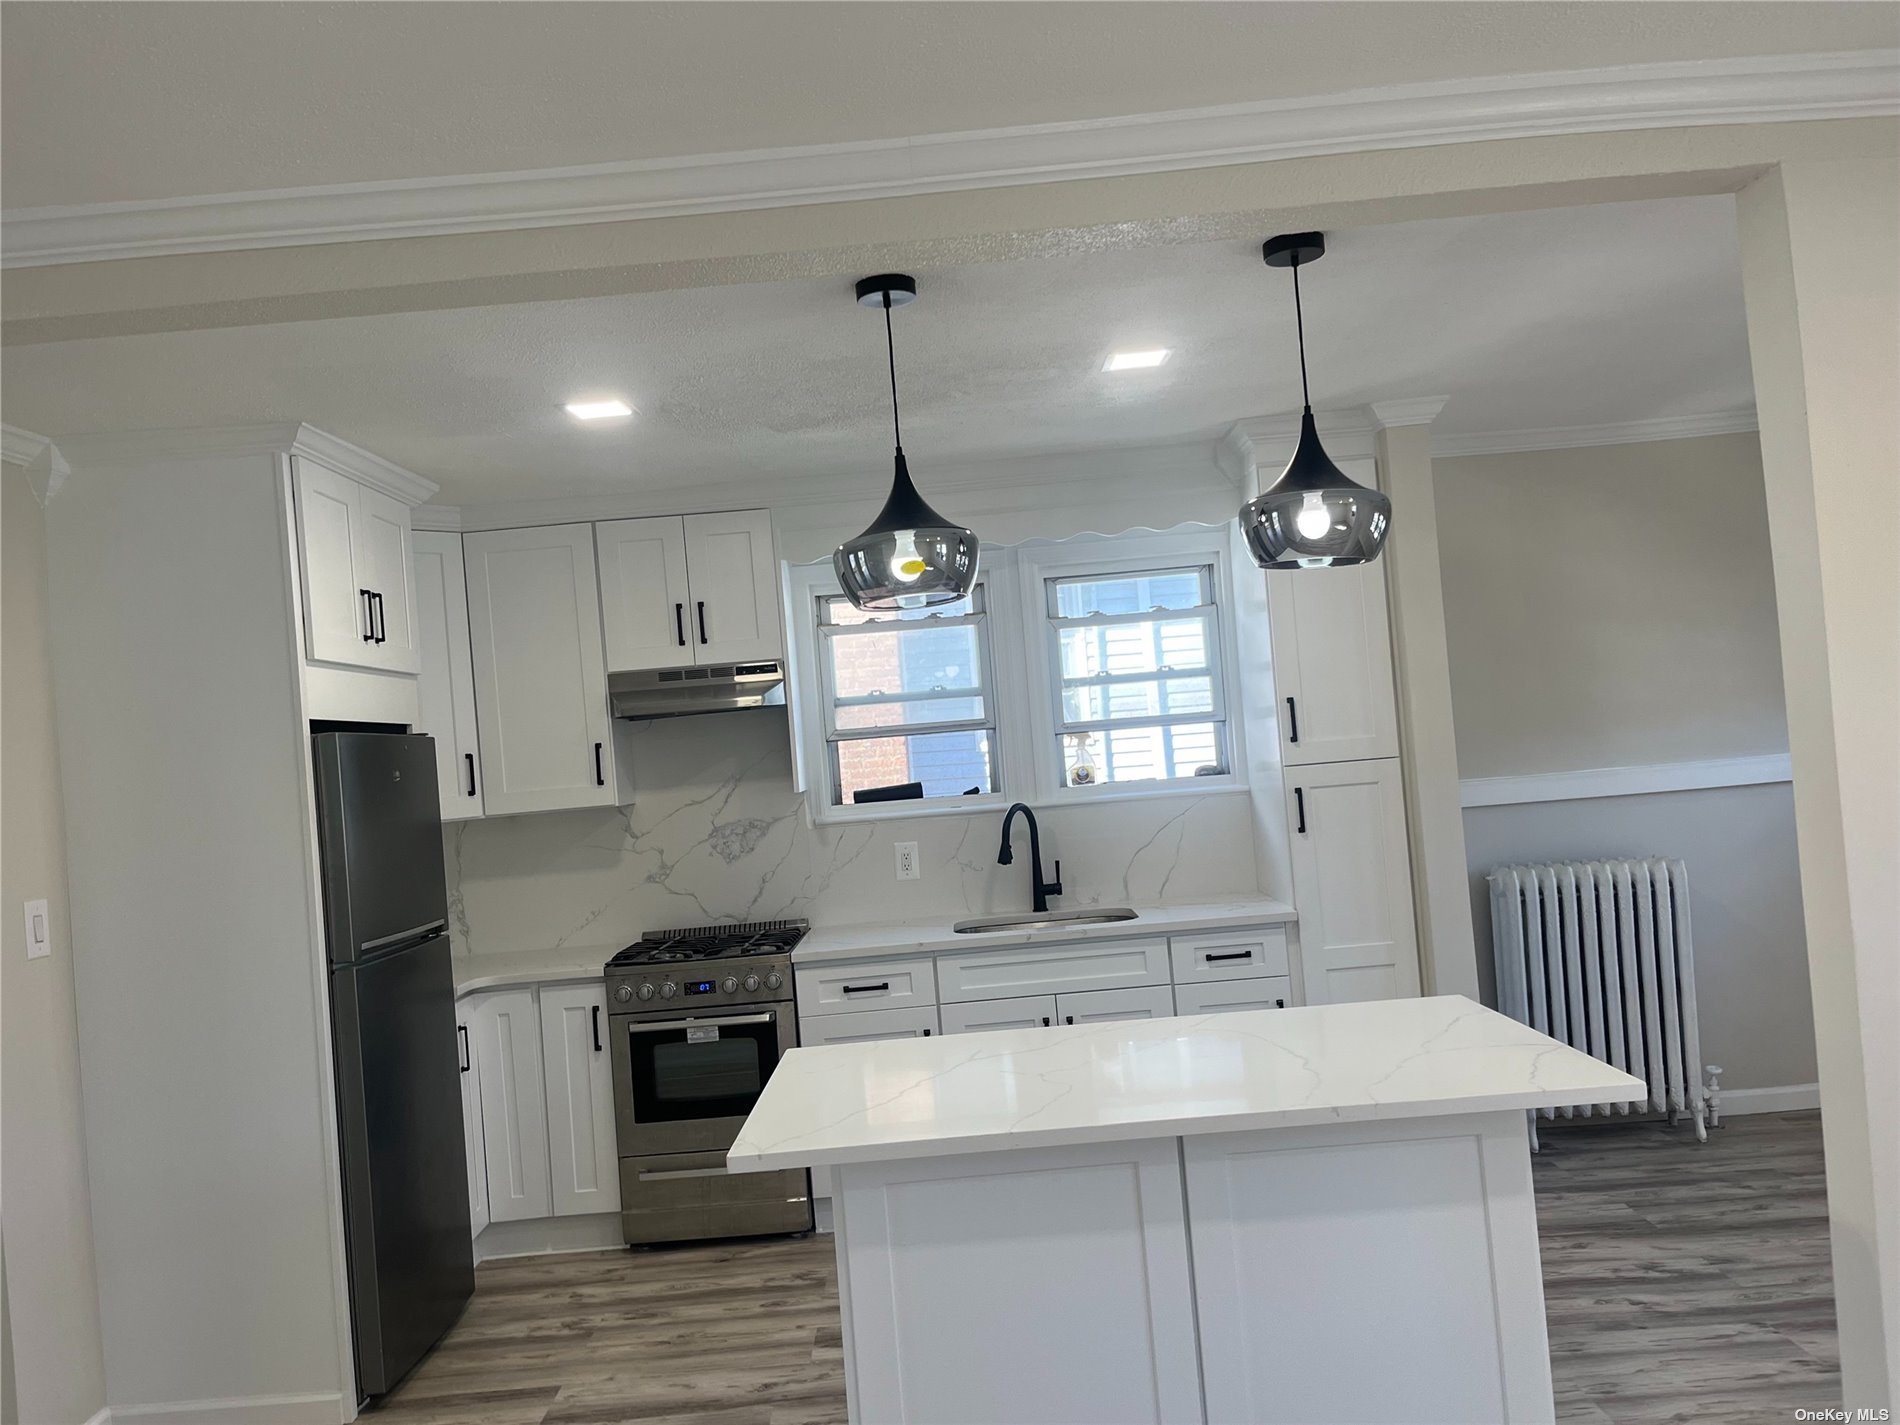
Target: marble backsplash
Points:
(716, 832)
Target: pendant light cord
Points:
(1299, 321)
(890, 347)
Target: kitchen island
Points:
(1302, 1215)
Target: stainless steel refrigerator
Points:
(398, 1065)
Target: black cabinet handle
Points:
(866, 989)
(1068, 1019)
(1293, 721)
(462, 1030)
(379, 617)
(600, 768)
(1299, 800)
(702, 620)
(1279, 1004)
(596, 1009)
(470, 756)
(679, 623)
(1045, 1021)
(369, 615)
(926, 1034)
(1231, 955)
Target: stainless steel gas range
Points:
(699, 1019)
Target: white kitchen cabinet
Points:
(475, 1163)
(1352, 881)
(445, 681)
(1095, 1006)
(1216, 996)
(1027, 1012)
(1228, 954)
(861, 985)
(697, 589)
(583, 1159)
(1019, 969)
(505, 1030)
(1332, 664)
(353, 547)
(540, 670)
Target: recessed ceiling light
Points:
(1135, 360)
(598, 410)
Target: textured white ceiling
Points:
(120, 102)
(1553, 318)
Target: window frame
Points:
(1041, 647)
(815, 722)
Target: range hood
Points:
(679, 692)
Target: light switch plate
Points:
(907, 868)
(39, 931)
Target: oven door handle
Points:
(638, 1027)
(650, 1175)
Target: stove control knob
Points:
(668, 990)
(728, 984)
(623, 993)
(646, 989)
(751, 983)
(773, 979)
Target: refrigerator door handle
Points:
(426, 931)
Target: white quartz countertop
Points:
(567, 965)
(1218, 1073)
(852, 942)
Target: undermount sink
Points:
(1043, 920)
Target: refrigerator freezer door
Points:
(381, 827)
(405, 1184)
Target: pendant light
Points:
(1314, 516)
(911, 557)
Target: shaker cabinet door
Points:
(644, 601)
(582, 1156)
(506, 1032)
(733, 616)
(1332, 664)
(472, 1144)
(1352, 880)
(445, 682)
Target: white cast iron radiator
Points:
(1598, 954)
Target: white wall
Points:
(716, 832)
(52, 1297)
(1614, 606)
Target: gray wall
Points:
(1614, 607)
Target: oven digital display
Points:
(699, 987)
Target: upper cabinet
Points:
(358, 581)
(693, 589)
(445, 683)
(1332, 664)
(546, 741)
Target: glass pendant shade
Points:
(1314, 516)
(910, 558)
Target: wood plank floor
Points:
(1683, 1282)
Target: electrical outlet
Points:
(907, 867)
(39, 932)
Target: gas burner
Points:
(713, 942)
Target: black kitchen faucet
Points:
(1039, 889)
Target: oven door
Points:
(685, 1083)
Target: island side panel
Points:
(1373, 1272)
(995, 1288)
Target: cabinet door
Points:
(474, 1152)
(540, 670)
(1029, 1012)
(1228, 954)
(1213, 997)
(583, 1158)
(856, 985)
(506, 1033)
(385, 567)
(734, 614)
(1095, 1006)
(1352, 881)
(445, 682)
(1332, 664)
(1020, 969)
(336, 611)
(644, 601)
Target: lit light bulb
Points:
(907, 561)
(1314, 519)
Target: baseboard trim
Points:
(320, 1409)
(1590, 782)
(548, 1236)
(1780, 1098)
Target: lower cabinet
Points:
(583, 1158)
(538, 1104)
(1096, 1006)
(1212, 997)
(1024, 1012)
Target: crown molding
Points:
(274, 438)
(1412, 411)
(45, 466)
(443, 519)
(1615, 433)
(1854, 84)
